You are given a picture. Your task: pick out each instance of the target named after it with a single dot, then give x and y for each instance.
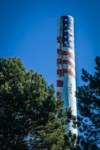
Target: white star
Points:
(65, 36)
(65, 25)
(65, 30)
(65, 19)
(66, 43)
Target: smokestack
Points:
(66, 80)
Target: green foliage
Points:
(30, 115)
(89, 109)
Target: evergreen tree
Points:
(30, 115)
(89, 109)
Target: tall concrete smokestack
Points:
(66, 81)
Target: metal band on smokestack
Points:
(66, 81)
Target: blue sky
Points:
(28, 29)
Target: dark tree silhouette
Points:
(89, 109)
(30, 115)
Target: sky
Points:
(28, 30)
